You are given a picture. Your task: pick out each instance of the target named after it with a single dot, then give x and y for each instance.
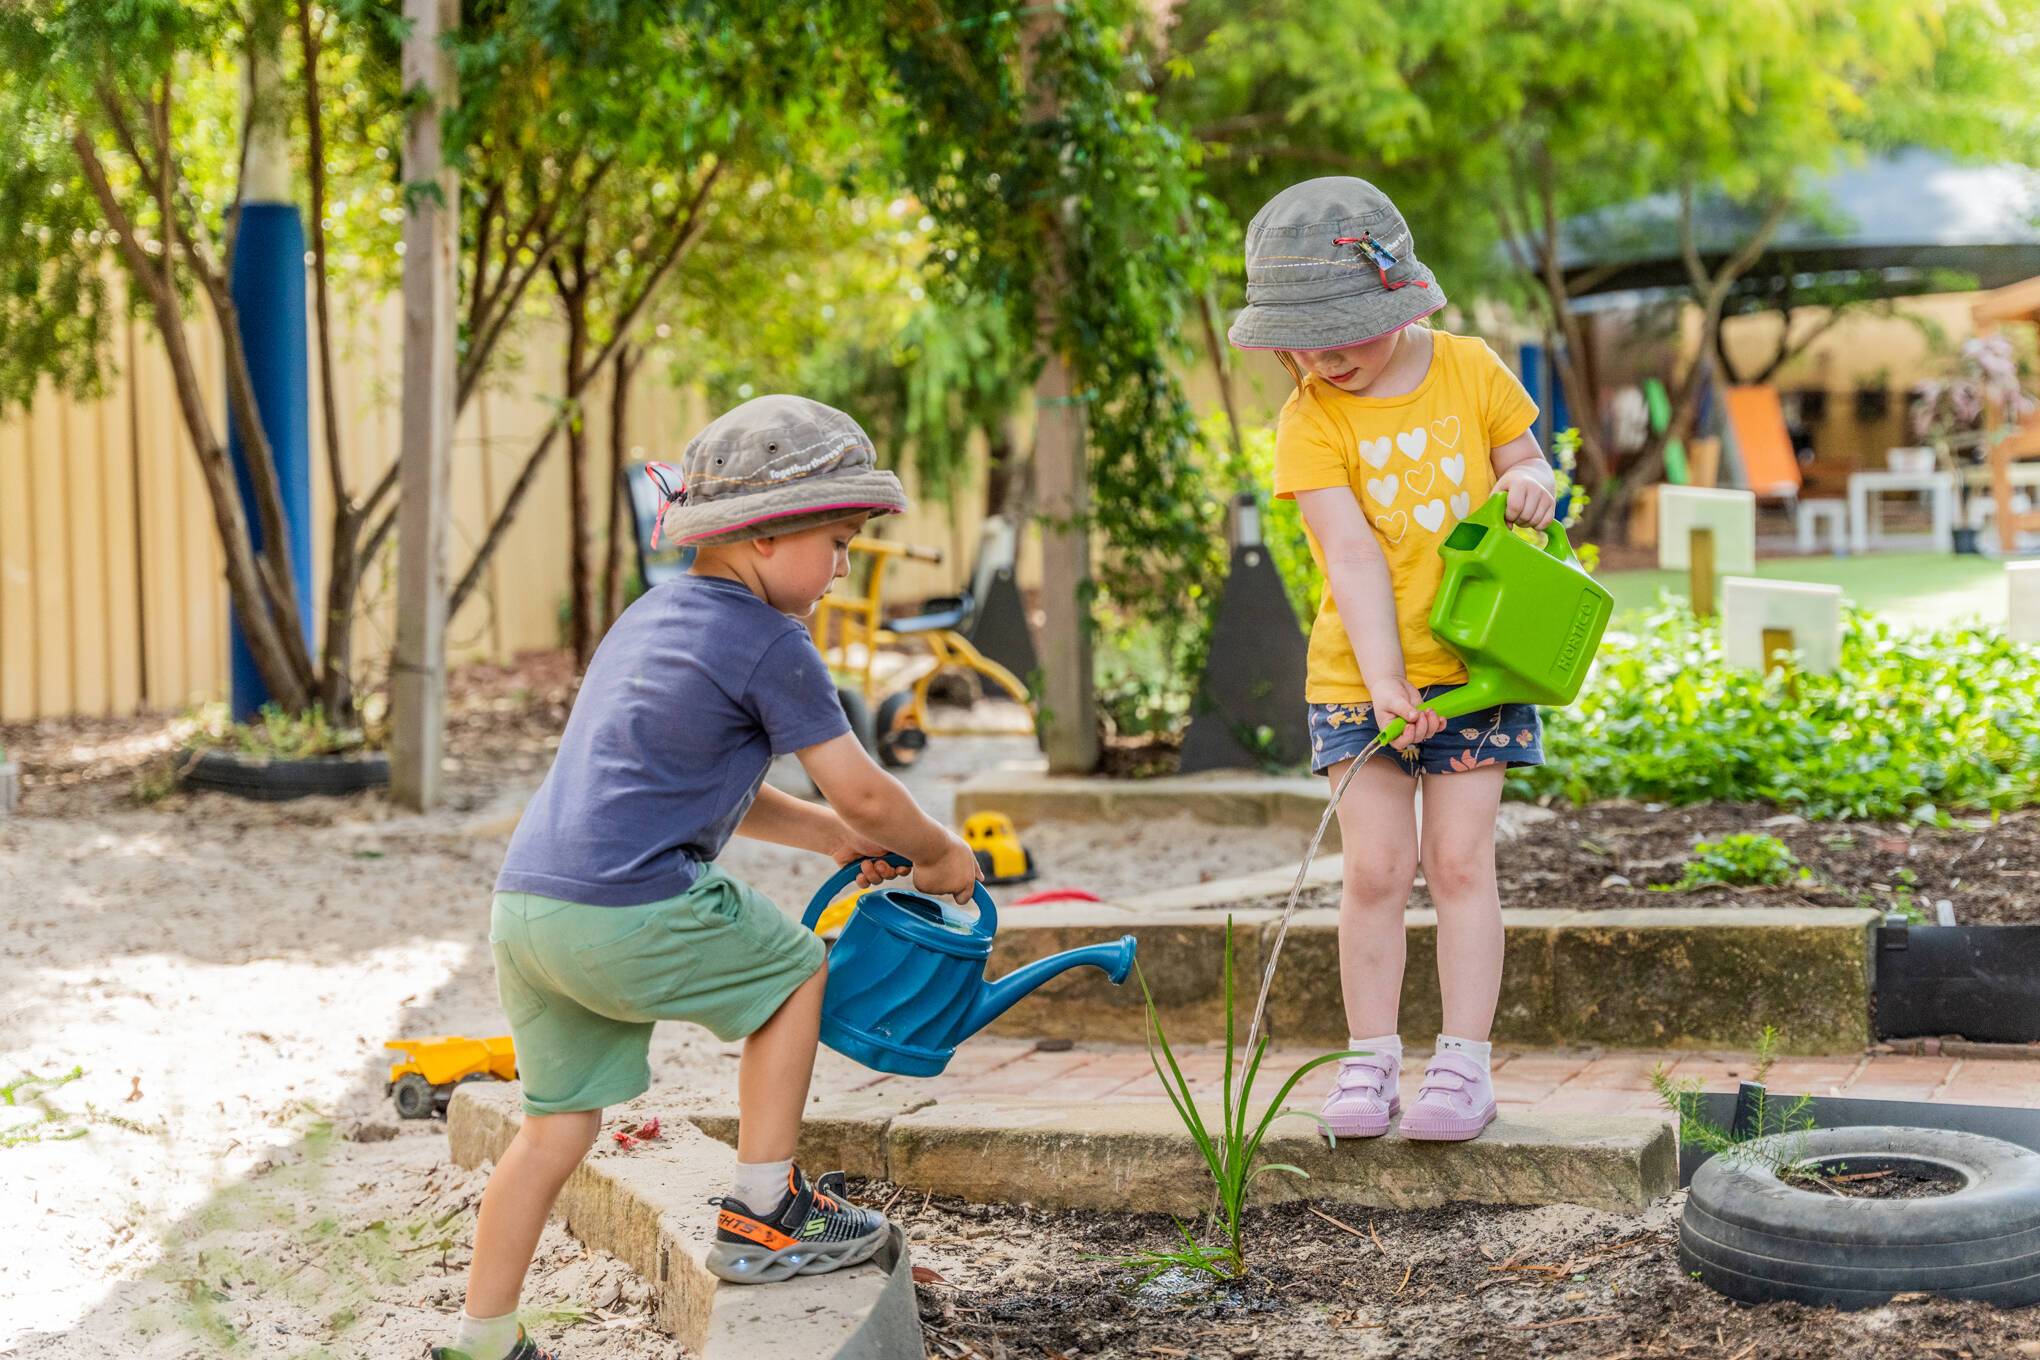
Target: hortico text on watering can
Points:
(907, 975)
(1525, 619)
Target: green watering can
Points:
(1525, 620)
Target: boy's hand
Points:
(1533, 500)
(1398, 698)
(954, 874)
(851, 847)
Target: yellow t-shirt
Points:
(1417, 464)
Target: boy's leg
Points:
(1378, 830)
(519, 1196)
(773, 1077)
(1459, 868)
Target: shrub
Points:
(1740, 859)
(1912, 724)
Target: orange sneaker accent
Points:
(752, 1229)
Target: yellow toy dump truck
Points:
(996, 844)
(422, 1083)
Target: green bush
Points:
(1744, 858)
(1912, 724)
(273, 733)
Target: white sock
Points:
(486, 1338)
(1388, 1046)
(761, 1185)
(1466, 1047)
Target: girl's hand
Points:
(954, 874)
(851, 847)
(1398, 698)
(1533, 499)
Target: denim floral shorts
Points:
(1508, 735)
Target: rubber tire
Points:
(1759, 1240)
(897, 750)
(274, 781)
(414, 1097)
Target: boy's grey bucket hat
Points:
(775, 465)
(1313, 280)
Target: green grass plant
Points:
(1230, 1147)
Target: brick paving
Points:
(1571, 1082)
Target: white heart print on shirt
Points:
(1412, 443)
(1431, 515)
(1461, 503)
(1384, 489)
(1375, 451)
(1455, 468)
(1447, 431)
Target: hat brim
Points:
(1337, 322)
(798, 505)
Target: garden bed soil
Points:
(1916, 1181)
(1611, 856)
(1444, 1283)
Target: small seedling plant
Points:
(1793, 1117)
(1230, 1147)
(1741, 860)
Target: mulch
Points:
(1338, 1281)
(1613, 856)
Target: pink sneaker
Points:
(1363, 1099)
(1456, 1101)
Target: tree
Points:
(1497, 122)
(1059, 197)
(127, 117)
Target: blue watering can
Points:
(907, 982)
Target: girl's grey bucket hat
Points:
(775, 465)
(1331, 263)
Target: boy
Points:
(610, 913)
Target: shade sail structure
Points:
(1904, 219)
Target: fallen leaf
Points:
(928, 1275)
(135, 1093)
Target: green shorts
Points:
(582, 985)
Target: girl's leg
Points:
(1378, 828)
(520, 1194)
(1459, 867)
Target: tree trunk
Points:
(1068, 715)
(622, 527)
(580, 619)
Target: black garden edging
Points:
(1976, 982)
(272, 781)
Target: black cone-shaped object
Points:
(1249, 711)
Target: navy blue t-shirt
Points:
(689, 697)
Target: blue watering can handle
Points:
(988, 912)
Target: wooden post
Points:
(1069, 706)
(1700, 570)
(431, 238)
(1778, 649)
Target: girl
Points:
(1394, 433)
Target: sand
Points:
(226, 1172)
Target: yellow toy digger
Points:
(422, 1083)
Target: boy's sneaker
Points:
(813, 1230)
(1456, 1101)
(1363, 1098)
(525, 1349)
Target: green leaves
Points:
(1231, 1148)
(1744, 858)
(1912, 724)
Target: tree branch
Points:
(691, 222)
(286, 683)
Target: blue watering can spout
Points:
(1116, 959)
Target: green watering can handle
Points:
(1492, 513)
